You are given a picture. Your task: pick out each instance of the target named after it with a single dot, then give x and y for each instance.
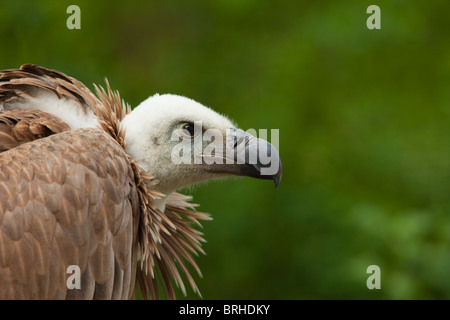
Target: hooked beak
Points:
(255, 157)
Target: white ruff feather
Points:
(67, 110)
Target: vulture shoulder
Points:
(38, 88)
(23, 125)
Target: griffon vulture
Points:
(88, 185)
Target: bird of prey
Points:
(89, 207)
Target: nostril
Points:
(235, 143)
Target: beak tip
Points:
(276, 180)
(277, 177)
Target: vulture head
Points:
(181, 142)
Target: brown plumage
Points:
(75, 197)
(51, 217)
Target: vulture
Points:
(89, 200)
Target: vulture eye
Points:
(187, 129)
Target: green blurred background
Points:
(363, 118)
